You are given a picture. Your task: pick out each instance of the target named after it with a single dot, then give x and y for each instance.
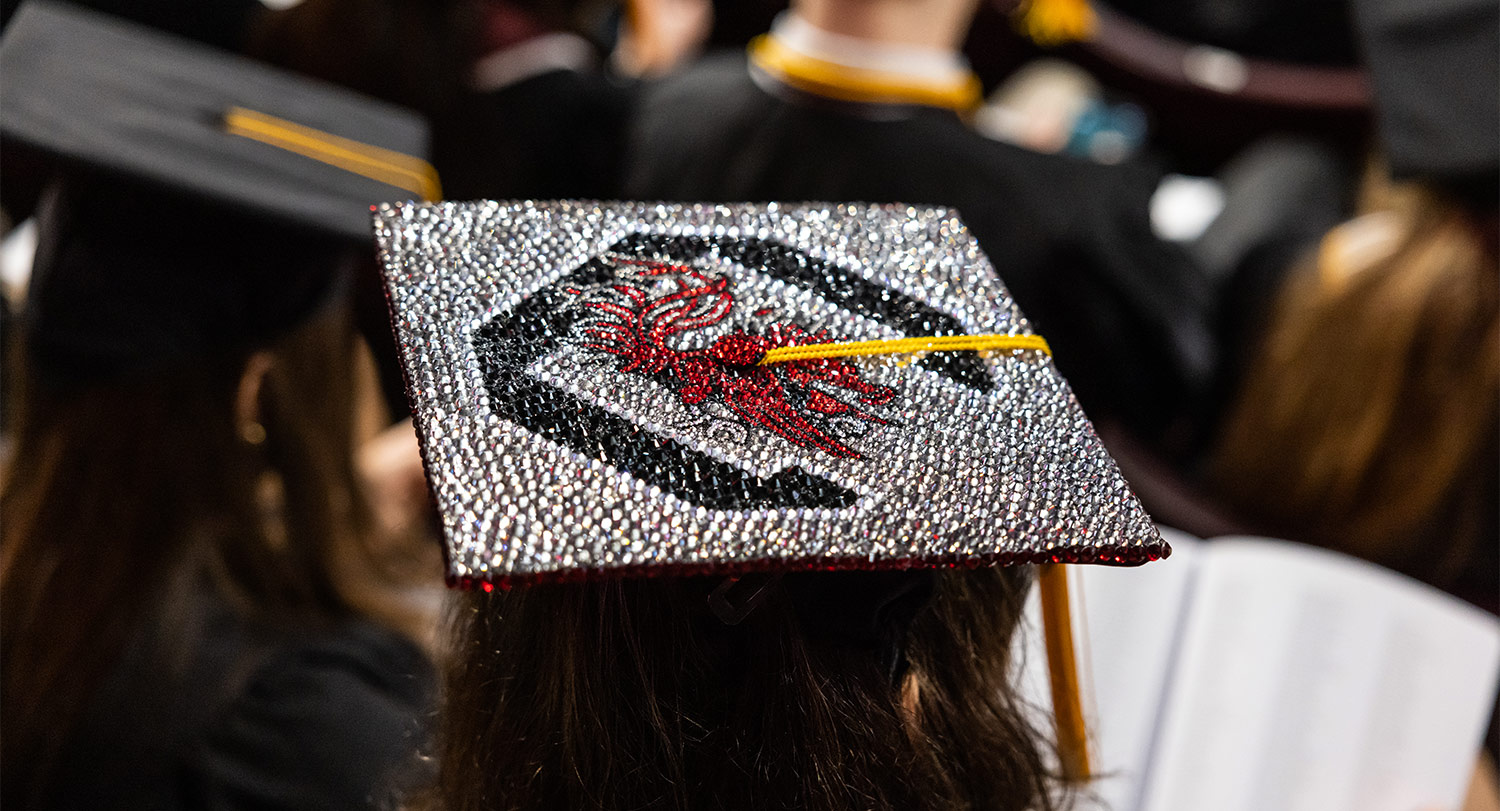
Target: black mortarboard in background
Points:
(1435, 68)
(200, 201)
(223, 23)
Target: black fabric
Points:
(231, 715)
(1127, 315)
(554, 136)
(1435, 69)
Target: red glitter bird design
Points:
(794, 399)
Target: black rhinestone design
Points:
(840, 286)
(507, 345)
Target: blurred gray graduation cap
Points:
(200, 198)
(102, 93)
(1435, 69)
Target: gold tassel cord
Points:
(903, 346)
(384, 165)
(1062, 665)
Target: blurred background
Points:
(1262, 236)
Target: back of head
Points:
(133, 485)
(130, 279)
(1368, 420)
(631, 694)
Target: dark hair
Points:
(124, 497)
(630, 694)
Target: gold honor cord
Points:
(843, 83)
(1062, 666)
(904, 346)
(385, 165)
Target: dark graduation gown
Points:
(557, 135)
(1126, 314)
(231, 715)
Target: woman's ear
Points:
(247, 398)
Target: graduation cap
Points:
(652, 389)
(1435, 70)
(200, 200)
(658, 389)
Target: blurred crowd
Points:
(1261, 238)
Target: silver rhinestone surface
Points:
(940, 473)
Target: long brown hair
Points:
(123, 499)
(629, 694)
(1368, 421)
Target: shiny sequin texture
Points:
(585, 387)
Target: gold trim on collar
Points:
(843, 83)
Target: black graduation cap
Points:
(1435, 68)
(201, 199)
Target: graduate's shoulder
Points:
(1054, 176)
(717, 82)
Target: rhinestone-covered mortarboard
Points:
(598, 391)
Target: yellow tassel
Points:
(1062, 665)
(903, 346)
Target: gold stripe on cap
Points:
(903, 346)
(385, 165)
(843, 83)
